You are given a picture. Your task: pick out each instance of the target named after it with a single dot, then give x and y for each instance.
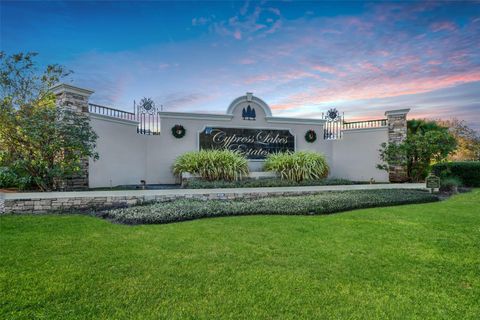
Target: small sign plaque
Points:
(433, 182)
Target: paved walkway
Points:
(168, 192)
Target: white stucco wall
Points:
(122, 153)
(127, 157)
(356, 155)
(162, 150)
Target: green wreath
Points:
(310, 136)
(178, 131)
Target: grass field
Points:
(406, 262)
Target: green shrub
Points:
(450, 184)
(10, 179)
(468, 172)
(261, 183)
(323, 203)
(7, 178)
(298, 166)
(212, 165)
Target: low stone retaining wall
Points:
(39, 202)
(98, 203)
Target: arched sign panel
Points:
(253, 143)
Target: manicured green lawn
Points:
(405, 262)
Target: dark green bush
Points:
(261, 183)
(467, 171)
(7, 178)
(324, 203)
(10, 179)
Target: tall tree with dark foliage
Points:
(40, 143)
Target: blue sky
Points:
(300, 57)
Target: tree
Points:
(249, 112)
(426, 143)
(468, 140)
(38, 140)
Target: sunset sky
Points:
(300, 57)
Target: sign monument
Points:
(255, 144)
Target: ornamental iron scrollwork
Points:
(333, 115)
(147, 105)
(333, 126)
(146, 113)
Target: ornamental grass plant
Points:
(298, 166)
(213, 165)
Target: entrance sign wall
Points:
(127, 157)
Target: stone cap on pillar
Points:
(397, 112)
(74, 98)
(63, 87)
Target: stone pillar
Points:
(72, 97)
(76, 99)
(397, 133)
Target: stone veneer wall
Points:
(79, 204)
(76, 99)
(397, 133)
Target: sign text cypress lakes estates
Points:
(253, 143)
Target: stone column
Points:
(72, 97)
(397, 133)
(76, 99)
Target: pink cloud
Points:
(324, 69)
(258, 78)
(382, 87)
(368, 66)
(163, 66)
(248, 23)
(280, 107)
(443, 26)
(200, 21)
(281, 77)
(247, 61)
(275, 26)
(274, 10)
(237, 35)
(297, 74)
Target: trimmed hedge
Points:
(467, 171)
(261, 183)
(324, 203)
